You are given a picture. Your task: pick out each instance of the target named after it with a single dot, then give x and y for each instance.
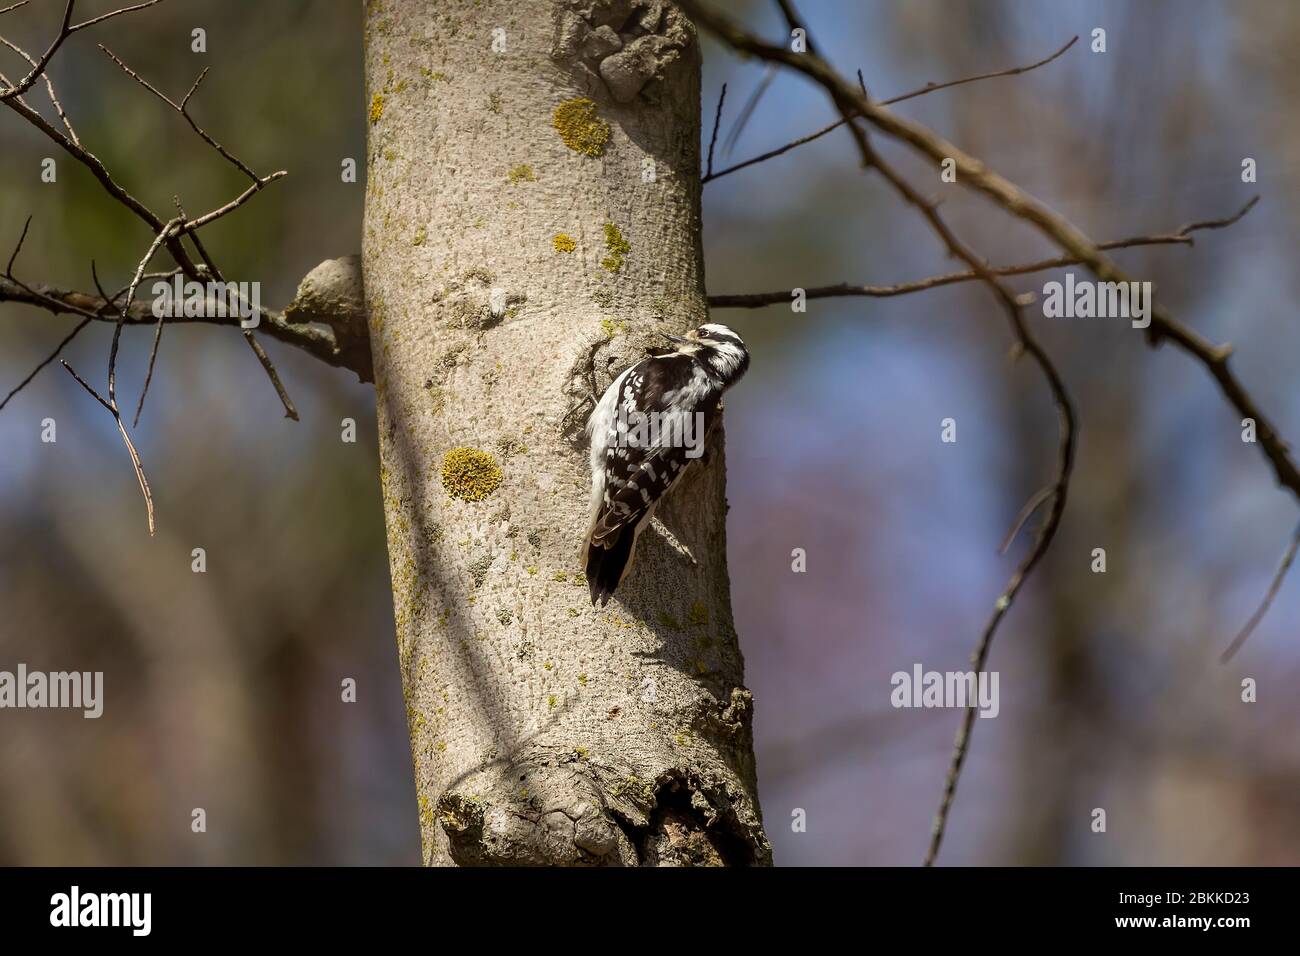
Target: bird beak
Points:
(677, 339)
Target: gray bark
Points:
(545, 731)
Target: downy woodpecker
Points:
(645, 431)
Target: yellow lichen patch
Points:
(564, 242)
(523, 173)
(376, 107)
(470, 474)
(618, 248)
(579, 126)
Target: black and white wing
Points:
(630, 472)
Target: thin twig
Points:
(123, 309)
(1180, 236)
(35, 296)
(158, 240)
(1013, 71)
(183, 108)
(148, 375)
(1027, 512)
(114, 13)
(49, 87)
(66, 29)
(13, 256)
(50, 358)
(157, 334)
(1273, 590)
(23, 85)
(747, 111)
(717, 121)
(126, 439)
(289, 410)
(194, 225)
(100, 172)
(84, 384)
(928, 88)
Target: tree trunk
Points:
(532, 227)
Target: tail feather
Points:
(607, 562)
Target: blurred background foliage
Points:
(223, 689)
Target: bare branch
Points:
(122, 311)
(112, 14)
(194, 89)
(65, 30)
(853, 103)
(84, 384)
(49, 87)
(1180, 236)
(317, 342)
(39, 368)
(1058, 490)
(928, 88)
(171, 237)
(1022, 205)
(23, 85)
(1060, 397)
(26, 293)
(158, 240)
(1013, 71)
(111, 186)
(126, 439)
(194, 225)
(182, 108)
(289, 410)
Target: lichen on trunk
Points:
(532, 227)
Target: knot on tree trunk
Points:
(620, 47)
(333, 294)
(546, 809)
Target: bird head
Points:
(720, 349)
